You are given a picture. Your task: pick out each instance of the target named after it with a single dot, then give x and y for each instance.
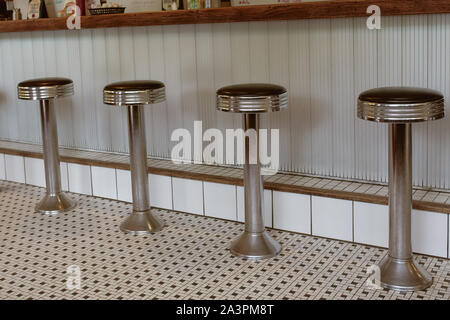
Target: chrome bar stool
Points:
(134, 95)
(400, 107)
(46, 90)
(251, 100)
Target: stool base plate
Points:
(255, 246)
(403, 275)
(141, 222)
(55, 203)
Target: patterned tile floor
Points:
(187, 260)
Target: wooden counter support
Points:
(306, 10)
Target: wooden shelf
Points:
(306, 10)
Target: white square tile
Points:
(292, 212)
(332, 218)
(220, 200)
(15, 168)
(104, 182)
(267, 206)
(35, 172)
(64, 176)
(2, 167)
(79, 178)
(124, 192)
(160, 191)
(429, 233)
(371, 224)
(187, 195)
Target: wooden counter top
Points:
(305, 10)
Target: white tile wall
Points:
(371, 224)
(64, 176)
(267, 206)
(160, 191)
(79, 178)
(35, 172)
(104, 182)
(220, 200)
(292, 211)
(429, 233)
(187, 195)
(15, 168)
(2, 167)
(332, 218)
(124, 185)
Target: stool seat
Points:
(45, 88)
(252, 98)
(139, 92)
(400, 105)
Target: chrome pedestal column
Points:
(251, 100)
(54, 201)
(398, 269)
(134, 95)
(46, 90)
(255, 242)
(141, 220)
(400, 107)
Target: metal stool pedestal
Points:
(400, 107)
(251, 100)
(46, 90)
(134, 95)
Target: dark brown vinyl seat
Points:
(252, 98)
(45, 88)
(400, 104)
(136, 92)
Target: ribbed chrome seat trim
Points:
(45, 92)
(134, 97)
(252, 104)
(400, 113)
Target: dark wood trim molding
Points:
(304, 10)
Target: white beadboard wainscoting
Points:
(324, 64)
(346, 220)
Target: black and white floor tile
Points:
(187, 260)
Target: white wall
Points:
(324, 64)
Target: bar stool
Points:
(46, 90)
(251, 100)
(400, 107)
(134, 95)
